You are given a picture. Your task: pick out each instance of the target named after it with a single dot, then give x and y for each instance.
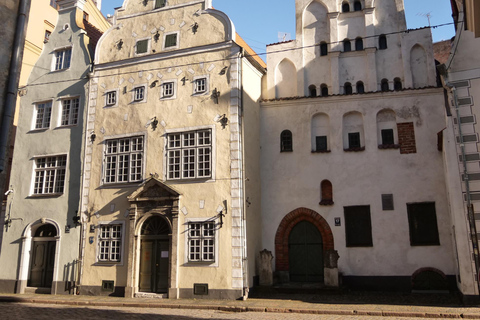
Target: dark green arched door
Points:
(305, 253)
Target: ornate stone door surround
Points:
(152, 198)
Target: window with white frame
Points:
(111, 98)
(168, 89)
(200, 85)
(189, 155)
(139, 94)
(171, 40)
(70, 111)
(124, 160)
(110, 243)
(62, 59)
(50, 174)
(43, 115)
(142, 46)
(201, 241)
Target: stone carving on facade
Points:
(265, 268)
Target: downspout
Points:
(13, 79)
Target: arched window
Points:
(46, 230)
(382, 42)
(385, 86)
(357, 6)
(358, 44)
(324, 89)
(348, 88)
(320, 132)
(347, 46)
(345, 7)
(360, 87)
(387, 135)
(286, 141)
(312, 90)
(323, 49)
(326, 193)
(353, 133)
(397, 84)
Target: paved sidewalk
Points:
(356, 303)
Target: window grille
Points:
(43, 115)
(124, 160)
(110, 242)
(286, 141)
(70, 111)
(50, 175)
(62, 59)
(201, 241)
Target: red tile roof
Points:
(441, 50)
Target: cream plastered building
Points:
(352, 178)
(171, 191)
(461, 79)
(41, 236)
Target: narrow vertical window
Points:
(347, 45)
(385, 86)
(43, 115)
(348, 88)
(324, 89)
(70, 111)
(326, 193)
(286, 141)
(382, 42)
(312, 90)
(360, 87)
(397, 84)
(110, 240)
(358, 44)
(357, 6)
(323, 49)
(62, 59)
(345, 7)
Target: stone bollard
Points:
(265, 268)
(331, 268)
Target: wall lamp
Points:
(215, 95)
(93, 136)
(119, 44)
(154, 84)
(195, 28)
(156, 36)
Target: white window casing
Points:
(201, 85)
(111, 98)
(167, 40)
(42, 115)
(110, 238)
(201, 242)
(168, 89)
(123, 160)
(70, 108)
(49, 175)
(139, 93)
(62, 58)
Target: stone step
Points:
(38, 290)
(151, 295)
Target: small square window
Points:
(139, 94)
(62, 59)
(53, 4)
(321, 143)
(111, 98)
(387, 202)
(168, 89)
(142, 46)
(160, 3)
(354, 140)
(201, 85)
(171, 40)
(358, 226)
(387, 137)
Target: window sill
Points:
(326, 203)
(45, 195)
(321, 151)
(38, 130)
(66, 126)
(354, 149)
(120, 185)
(201, 264)
(388, 146)
(191, 180)
(282, 151)
(108, 264)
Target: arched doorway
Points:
(154, 255)
(43, 257)
(305, 253)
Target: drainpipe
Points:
(13, 79)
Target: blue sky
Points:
(260, 21)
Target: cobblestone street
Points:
(20, 311)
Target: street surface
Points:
(21, 311)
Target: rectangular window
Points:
(387, 137)
(53, 3)
(111, 98)
(62, 59)
(43, 115)
(321, 143)
(354, 140)
(201, 241)
(85, 16)
(358, 226)
(168, 89)
(422, 220)
(50, 175)
(171, 40)
(201, 85)
(160, 3)
(139, 93)
(47, 36)
(110, 243)
(189, 155)
(70, 111)
(124, 160)
(142, 46)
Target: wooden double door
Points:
(42, 263)
(154, 265)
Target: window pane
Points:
(321, 143)
(422, 220)
(358, 226)
(171, 40)
(160, 3)
(387, 136)
(354, 140)
(142, 46)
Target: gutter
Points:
(13, 79)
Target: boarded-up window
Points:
(422, 220)
(358, 226)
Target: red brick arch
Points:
(286, 226)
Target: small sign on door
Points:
(164, 254)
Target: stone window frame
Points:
(117, 96)
(195, 84)
(145, 90)
(165, 35)
(162, 89)
(98, 230)
(149, 47)
(216, 229)
(56, 174)
(46, 121)
(213, 153)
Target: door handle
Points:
(156, 264)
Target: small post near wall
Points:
(265, 268)
(331, 268)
